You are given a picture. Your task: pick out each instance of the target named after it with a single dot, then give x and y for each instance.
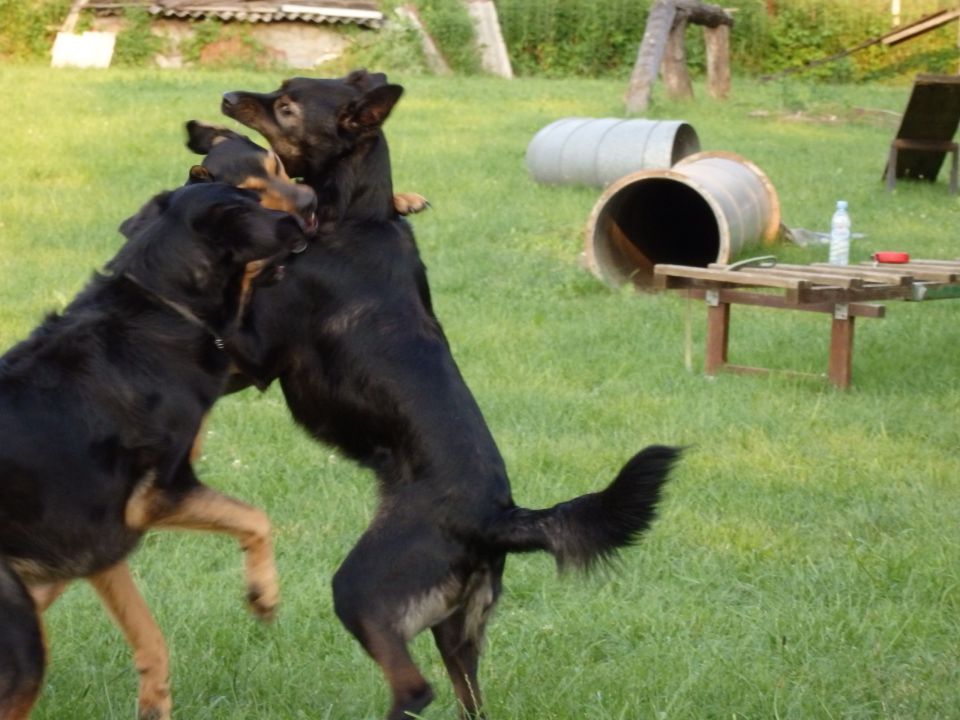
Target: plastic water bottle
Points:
(840, 235)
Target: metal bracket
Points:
(841, 311)
(761, 261)
(712, 297)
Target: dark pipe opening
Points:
(654, 220)
(685, 143)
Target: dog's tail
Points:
(591, 528)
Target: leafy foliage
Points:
(451, 28)
(600, 37)
(27, 29)
(136, 45)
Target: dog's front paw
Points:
(410, 203)
(155, 705)
(263, 601)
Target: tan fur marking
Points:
(139, 509)
(44, 595)
(208, 510)
(196, 450)
(123, 601)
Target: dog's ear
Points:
(201, 137)
(369, 112)
(154, 208)
(199, 174)
(363, 80)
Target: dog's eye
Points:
(285, 110)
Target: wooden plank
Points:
(735, 277)
(801, 272)
(932, 113)
(751, 370)
(822, 294)
(778, 302)
(921, 26)
(931, 273)
(863, 272)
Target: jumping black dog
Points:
(364, 365)
(99, 409)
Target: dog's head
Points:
(232, 158)
(201, 244)
(311, 123)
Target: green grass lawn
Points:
(806, 563)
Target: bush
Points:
(450, 26)
(27, 30)
(601, 37)
(136, 45)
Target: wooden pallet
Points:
(845, 292)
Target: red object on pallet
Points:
(891, 257)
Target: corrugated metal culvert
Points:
(597, 151)
(708, 208)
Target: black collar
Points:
(181, 310)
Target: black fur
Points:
(364, 365)
(109, 395)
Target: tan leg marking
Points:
(207, 510)
(123, 601)
(44, 595)
(410, 203)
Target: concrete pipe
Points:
(597, 151)
(708, 208)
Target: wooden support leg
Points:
(892, 168)
(718, 334)
(841, 350)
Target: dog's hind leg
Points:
(461, 657)
(410, 690)
(370, 603)
(202, 508)
(123, 601)
(22, 651)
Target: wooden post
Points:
(663, 45)
(840, 365)
(718, 337)
(650, 55)
(674, 68)
(717, 40)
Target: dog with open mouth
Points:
(364, 365)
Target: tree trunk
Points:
(674, 68)
(718, 61)
(650, 55)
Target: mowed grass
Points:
(806, 563)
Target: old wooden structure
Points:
(843, 292)
(662, 49)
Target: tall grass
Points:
(806, 563)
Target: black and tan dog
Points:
(99, 409)
(364, 365)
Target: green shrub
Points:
(27, 29)
(601, 37)
(136, 44)
(449, 24)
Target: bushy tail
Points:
(591, 528)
